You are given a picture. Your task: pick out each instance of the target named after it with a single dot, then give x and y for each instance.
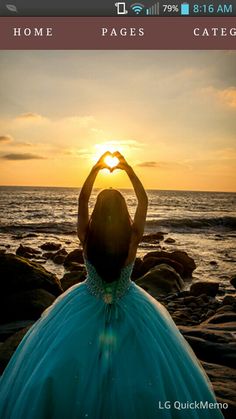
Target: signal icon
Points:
(137, 8)
(153, 10)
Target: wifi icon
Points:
(137, 8)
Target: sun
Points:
(101, 148)
(111, 161)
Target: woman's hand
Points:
(123, 165)
(101, 164)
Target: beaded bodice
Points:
(112, 291)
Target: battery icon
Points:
(184, 9)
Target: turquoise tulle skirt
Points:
(87, 359)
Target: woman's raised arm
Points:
(141, 211)
(83, 212)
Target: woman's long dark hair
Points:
(108, 235)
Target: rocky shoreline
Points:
(205, 313)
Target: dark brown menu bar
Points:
(117, 33)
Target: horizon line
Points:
(128, 189)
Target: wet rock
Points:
(25, 305)
(27, 251)
(60, 256)
(213, 263)
(151, 262)
(229, 299)
(233, 281)
(169, 240)
(74, 266)
(59, 259)
(224, 309)
(211, 345)
(179, 256)
(153, 237)
(222, 318)
(19, 274)
(9, 346)
(223, 380)
(30, 235)
(8, 329)
(136, 269)
(189, 299)
(50, 246)
(72, 278)
(74, 256)
(161, 279)
(48, 255)
(203, 287)
(17, 236)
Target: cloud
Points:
(30, 116)
(5, 138)
(22, 156)
(83, 152)
(148, 164)
(22, 144)
(165, 165)
(228, 96)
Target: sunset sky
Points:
(171, 113)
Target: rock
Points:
(9, 346)
(203, 287)
(74, 266)
(153, 238)
(31, 235)
(223, 380)
(27, 251)
(179, 256)
(224, 309)
(150, 262)
(213, 263)
(136, 268)
(59, 259)
(189, 299)
(186, 261)
(17, 237)
(211, 345)
(74, 256)
(233, 281)
(229, 299)
(222, 318)
(48, 255)
(50, 246)
(59, 256)
(19, 274)
(169, 240)
(161, 279)
(8, 329)
(25, 305)
(71, 278)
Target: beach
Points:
(186, 261)
(201, 223)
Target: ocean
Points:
(202, 223)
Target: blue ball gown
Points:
(105, 351)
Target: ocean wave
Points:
(56, 228)
(172, 224)
(225, 222)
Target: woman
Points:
(106, 349)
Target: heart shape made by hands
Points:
(111, 162)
